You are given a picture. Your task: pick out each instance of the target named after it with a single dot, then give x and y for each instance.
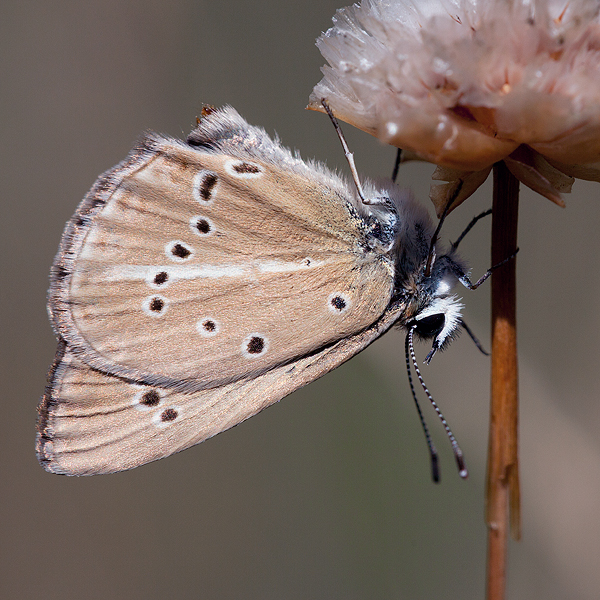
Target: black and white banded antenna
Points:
(458, 455)
(433, 455)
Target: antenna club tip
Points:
(462, 469)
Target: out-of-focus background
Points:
(326, 494)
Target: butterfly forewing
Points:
(200, 269)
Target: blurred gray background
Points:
(327, 494)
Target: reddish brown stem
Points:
(503, 496)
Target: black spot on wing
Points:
(150, 398)
(168, 415)
(156, 304)
(338, 303)
(161, 277)
(209, 325)
(255, 345)
(203, 226)
(206, 186)
(245, 168)
(180, 251)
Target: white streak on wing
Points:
(279, 266)
(144, 272)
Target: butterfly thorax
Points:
(426, 293)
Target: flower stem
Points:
(503, 495)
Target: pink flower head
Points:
(466, 83)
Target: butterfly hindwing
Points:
(93, 422)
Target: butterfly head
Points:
(438, 316)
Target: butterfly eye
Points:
(430, 326)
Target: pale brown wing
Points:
(191, 269)
(92, 422)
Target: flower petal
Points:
(536, 173)
(441, 192)
(589, 172)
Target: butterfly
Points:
(200, 282)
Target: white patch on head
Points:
(243, 169)
(255, 344)
(155, 306)
(178, 251)
(208, 327)
(201, 226)
(204, 186)
(147, 398)
(451, 308)
(338, 303)
(165, 416)
(443, 288)
(158, 278)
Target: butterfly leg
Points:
(473, 337)
(470, 226)
(464, 278)
(397, 165)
